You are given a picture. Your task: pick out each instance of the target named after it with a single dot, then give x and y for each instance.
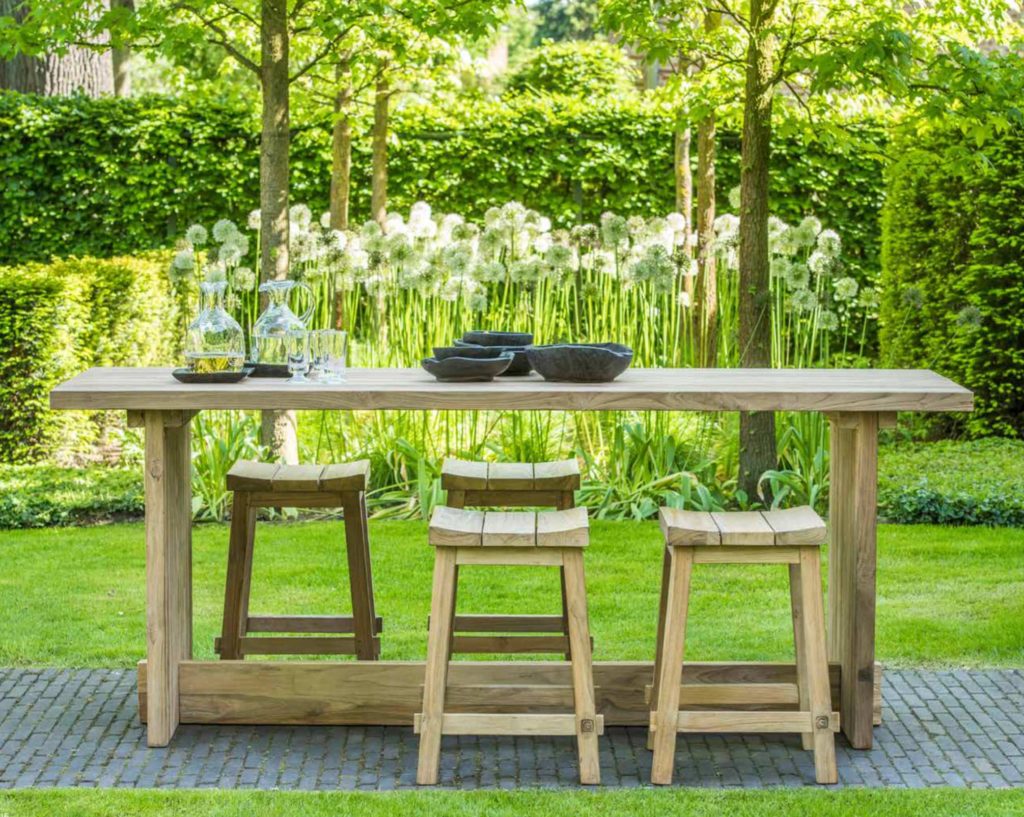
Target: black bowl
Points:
(580, 362)
(467, 369)
(468, 350)
(520, 363)
(480, 338)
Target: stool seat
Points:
(790, 527)
(246, 475)
(457, 527)
(462, 475)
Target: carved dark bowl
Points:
(520, 363)
(467, 369)
(480, 338)
(580, 362)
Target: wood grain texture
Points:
(841, 390)
(744, 528)
(455, 527)
(390, 692)
(568, 528)
(509, 529)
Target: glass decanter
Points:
(214, 342)
(270, 332)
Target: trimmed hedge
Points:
(953, 273)
(57, 320)
(33, 496)
(112, 176)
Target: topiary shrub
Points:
(576, 68)
(59, 319)
(953, 273)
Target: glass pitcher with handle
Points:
(270, 332)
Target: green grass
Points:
(75, 597)
(597, 803)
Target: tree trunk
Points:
(684, 204)
(121, 57)
(379, 192)
(278, 427)
(706, 305)
(341, 150)
(757, 429)
(80, 70)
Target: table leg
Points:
(168, 566)
(851, 567)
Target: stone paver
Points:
(79, 728)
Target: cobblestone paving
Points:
(79, 728)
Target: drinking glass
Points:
(297, 346)
(329, 347)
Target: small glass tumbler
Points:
(297, 346)
(329, 350)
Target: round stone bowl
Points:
(580, 362)
(480, 338)
(520, 363)
(467, 369)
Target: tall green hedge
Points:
(109, 176)
(953, 272)
(57, 320)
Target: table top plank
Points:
(832, 390)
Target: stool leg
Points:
(357, 547)
(582, 667)
(435, 678)
(239, 576)
(806, 738)
(666, 565)
(455, 604)
(670, 674)
(817, 666)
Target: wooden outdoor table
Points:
(173, 688)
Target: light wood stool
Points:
(268, 485)
(545, 538)
(511, 485)
(792, 537)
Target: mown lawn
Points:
(689, 802)
(75, 597)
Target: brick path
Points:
(79, 728)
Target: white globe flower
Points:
(830, 243)
(846, 289)
(255, 219)
(544, 224)
(420, 210)
(183, 261)
(300, 214)
(676, 222)
(325, 220)
(196, 235)
(224, 229)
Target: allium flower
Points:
(491, 241)
(215, 273)
(325, 219)
(338, 240)
(243, 279)
(457, 258)
(196, 235)
(477, 301)
(676, 222)
(184, 261)
(785, 243)
(453, 287)
(828, 321)
(637, 227)
(490, 271)
(726, 224)
(422, 228)
(734, 198)
(684, 300)
(912, 298)
(542, 243)
(614, 230)
(524, 272)
(359, 259)
(776, 226)
(781, 266)
(819, 263)
(492, 217)
(224, 229)
(798, 277)
(544, 224)
(807, 231)
(465, 232)
(558, 256)
(869, 298)
(420, 211)
(254, 220)
(399, 248)
(804, 300)
(229, 254)
(585, 235)
(846, 289)
(969, 318)
(513, 215)
(829, 243)
(300, 214)
(370, 229)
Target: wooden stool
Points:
(511, 485)
(554, 538)
(792, 537)
(268, 485)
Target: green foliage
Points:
(953, 272)
(969, 483)
(578, 69)
(566, 20)
(107, 176)
(36, 496)
(57, 320)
